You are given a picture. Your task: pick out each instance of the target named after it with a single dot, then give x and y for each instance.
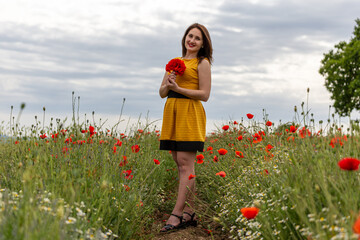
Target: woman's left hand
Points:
(172, 84)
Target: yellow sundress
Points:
(184, 119)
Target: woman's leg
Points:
(186, 166)
(189, 202)
(174, 155)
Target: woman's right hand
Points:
(171, 83)
(172, 76)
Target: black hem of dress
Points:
(186, 146)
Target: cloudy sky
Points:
(266, 54)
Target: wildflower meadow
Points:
(255, 180)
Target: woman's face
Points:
(193, 40)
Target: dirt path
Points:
(205, 223)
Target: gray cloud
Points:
(43, 65)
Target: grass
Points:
(78, 184)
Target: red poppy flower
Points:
(240, 137)
(304, 132)
(16, 142)
(266, 171)
(222, 151)
(157, 162)
(225, 127)
(332, 142)
(140, 130)
(249, 116)
(135, 148)
(235, 122)
(118, 143)
(91, 130)
(127, 188)
(221, 174)
(356, 226)
(43, 136)
(176, 65)
(129, 177)
(268, 123)
(239, 154)
(257, 138)
(349, 164)
(114, 149)
(127, 172)
(191, 176)
(290, 138)
(200, 158)
(123, 162)
(209, 148)
(293, 129)
(216, 159)
(250, 212)
(269, 147)
(68, 140)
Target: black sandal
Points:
(170, 227)
(192, 221)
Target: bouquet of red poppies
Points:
(176, 65)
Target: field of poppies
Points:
(258, 180)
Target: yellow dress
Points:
(184, 119)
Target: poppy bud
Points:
(216, 219)
(257, 203)
(104, 184)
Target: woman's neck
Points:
(190, 55)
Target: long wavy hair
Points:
(204, 52)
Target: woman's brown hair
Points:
(206, 50)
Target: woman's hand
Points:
(167, 84)
(171, 83)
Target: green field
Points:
(78, 182)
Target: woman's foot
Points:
(174, 222)
(189, 219)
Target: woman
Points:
(184, 122)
